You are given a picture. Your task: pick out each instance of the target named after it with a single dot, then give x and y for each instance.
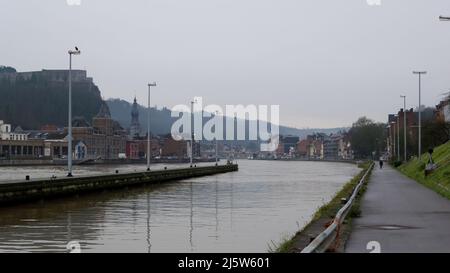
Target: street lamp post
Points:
(149, 151)
(217, 146)
(404, 125)
(420, 73)
(69, 138)
(192, 134)
(394, 150)
(398, 137)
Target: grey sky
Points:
(325, 62)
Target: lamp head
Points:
(75, 52)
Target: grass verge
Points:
(439, 179)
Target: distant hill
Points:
(161, 121)
(34, 99)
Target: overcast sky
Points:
(325, 62)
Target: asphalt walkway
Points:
(400, 215)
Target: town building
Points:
(311, 147)
(7, 134)
(337, 147)
(52, 76)
(36, 145)
(104, 139)
(443, 110)
(287, 146)
(176, 149)
(137, 148)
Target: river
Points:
(244, 211)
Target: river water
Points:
(244, 211)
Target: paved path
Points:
(402, 215)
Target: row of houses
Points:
(316, 146)
(104, 138)
(396, 127)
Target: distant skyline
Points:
(325, 63)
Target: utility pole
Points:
(69, 137)
(398, 137)
(404, 125)
(149, 151)
(192, 132)
(217, 145)
(394, 150)
(420, 73)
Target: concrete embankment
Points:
(63, 162)
(17, 191)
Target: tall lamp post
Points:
(404, 125)
(149, 151)
(420, 73)
(394, 150)
(217, 145)
(69, 138)
(192, 133)
(398, 137)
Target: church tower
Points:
(135, 128)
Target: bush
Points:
(397, 163)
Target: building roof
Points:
(80, 122)
(18, 129)
(104, 111)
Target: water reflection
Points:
(233, 212)
(191, 218)
(148, 224)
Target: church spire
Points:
(135, 128)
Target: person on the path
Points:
(381, 163)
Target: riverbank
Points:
(439, 179)
(63, 162)
(324, 216)
(312, 160)
(29, 190)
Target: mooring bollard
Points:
(27, 177)
(117, 171)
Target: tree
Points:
(434, 133)
(367, 137)
(7, 69)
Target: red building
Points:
(137, 148)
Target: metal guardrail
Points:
(324, 240)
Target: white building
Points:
(7, 134)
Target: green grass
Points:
(439, 179)
(328, 210)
